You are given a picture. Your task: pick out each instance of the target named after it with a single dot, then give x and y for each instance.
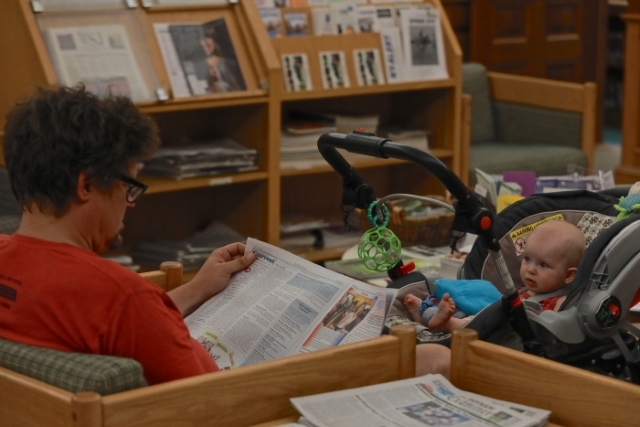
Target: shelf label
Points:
(220, 181)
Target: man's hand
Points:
(212, 278)
(221, 265)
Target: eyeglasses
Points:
(136, 188)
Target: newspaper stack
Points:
(416, 138)
(200, 159)
(191, 252)
(428, 400)
(299, 143)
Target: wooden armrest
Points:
(575, 397)
(168, 277)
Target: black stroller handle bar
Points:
(470, 214)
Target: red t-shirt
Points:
(67, 298)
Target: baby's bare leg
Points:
(446, 308)
(413, 303)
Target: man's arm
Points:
(212, 278)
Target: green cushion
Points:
(73, 372)
(516, 123)
(499, 157)
(476, 84)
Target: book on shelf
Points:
(192, 159)
(100, 56)
(291, 223)
(192, 252)
(200, 58)
(428, 400)
(283, 305)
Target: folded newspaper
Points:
(283, 305)
(429, 400)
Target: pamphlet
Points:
(283, 305)
(423, 45)
(368, 68)
(296, 72)
(333, 70)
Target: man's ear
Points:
(83, 188)
(571, 274)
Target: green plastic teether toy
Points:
(379, 248)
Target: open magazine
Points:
(429, 400)
(283, 305)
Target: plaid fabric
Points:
(515, 123)
(73, 372)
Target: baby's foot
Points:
(413, 304)
(446, 307)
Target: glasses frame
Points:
(133, 185)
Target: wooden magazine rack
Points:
(249, 202)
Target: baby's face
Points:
(543, 268)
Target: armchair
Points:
(526, 123)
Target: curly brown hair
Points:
(59, 133)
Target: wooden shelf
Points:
(370, 90)
(371, 162)
(203, 102)
(164, 185)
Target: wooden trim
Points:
(537, 92)
(465, 139)
(575, 397)
(87, 409)
(168, 277)
(589, 121)
(260, 393)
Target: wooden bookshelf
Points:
(250, 202)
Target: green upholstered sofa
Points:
(525, 123)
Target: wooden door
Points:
(539, 38)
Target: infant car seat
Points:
(591, 327)
(590, 330)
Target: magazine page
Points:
(100, 56)
(429, 400)
(283, 305)
(423, 45)
(206, 56)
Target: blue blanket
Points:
(470, 296)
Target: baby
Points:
(549, 263)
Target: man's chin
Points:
(116, 242)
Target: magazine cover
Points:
(392, 53)
(423, 46)
(296, 24)
(207, 57)
(367, 19)
(368, 68)
(272, 22)
(296, 72)
(333, 70)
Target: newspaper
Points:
(429, 400)
(100, 56)
(283, 305)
